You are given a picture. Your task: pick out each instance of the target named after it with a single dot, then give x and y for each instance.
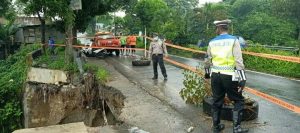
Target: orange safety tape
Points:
(270, 56)
(272, 99)
(97, 47)
(184, 48)
(92, 37)
(277, 57)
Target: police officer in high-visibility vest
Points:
(224, 65)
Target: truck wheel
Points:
(117, 52)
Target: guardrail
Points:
(295, 50)
(33, 55)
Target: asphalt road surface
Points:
(272, 118)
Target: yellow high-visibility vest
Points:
(221, 49)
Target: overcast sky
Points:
(205, 1)
(201, 2)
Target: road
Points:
(168, 92)
(279, 87)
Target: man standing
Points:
(123, 44)
(157, 50)
(51, 45)
(224, 63)
(131, 41)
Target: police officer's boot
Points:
(237, 118)
(217, 127)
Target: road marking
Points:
(273, 75)
(267, 97)
(274, 100)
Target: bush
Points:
(272, 66)
(195, 88)
(102, 75)
(261, 49)
(276, 67)
(13, 72)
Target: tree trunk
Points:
(94, 25)
(5, 50)
(69, 54)
(74, 33)
(43, 30)
(299, 34)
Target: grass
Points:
(102, 74)
(57, 61)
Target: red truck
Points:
(107, 39)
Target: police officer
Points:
(157, 50)
(224, 64)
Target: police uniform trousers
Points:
(158, 59)
(222, 84)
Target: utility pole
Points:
(145, 39)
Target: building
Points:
(30, 31)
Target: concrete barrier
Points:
(47, 76)
(65, 128)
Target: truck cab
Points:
(107, 39)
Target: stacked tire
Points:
(250, 112)
(141, 62)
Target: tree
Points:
(147, 10)
(202, 21)
(5, 5)
(288, 9)
(90, 9)
(7, 29)
(266, 29)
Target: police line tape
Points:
(263, 55)
(276, 57)
(99, 47)
(267, 97)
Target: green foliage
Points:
(4, 7)
(147, 10)
(261, 49)
(140, 43)
(102, 75)
(13, 72)
(194, 90)
(90, 9)
(276, 67)
(56, 61)
(91, 68)
(267, 29)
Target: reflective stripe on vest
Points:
(222, 57)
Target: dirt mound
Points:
(51, 104)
